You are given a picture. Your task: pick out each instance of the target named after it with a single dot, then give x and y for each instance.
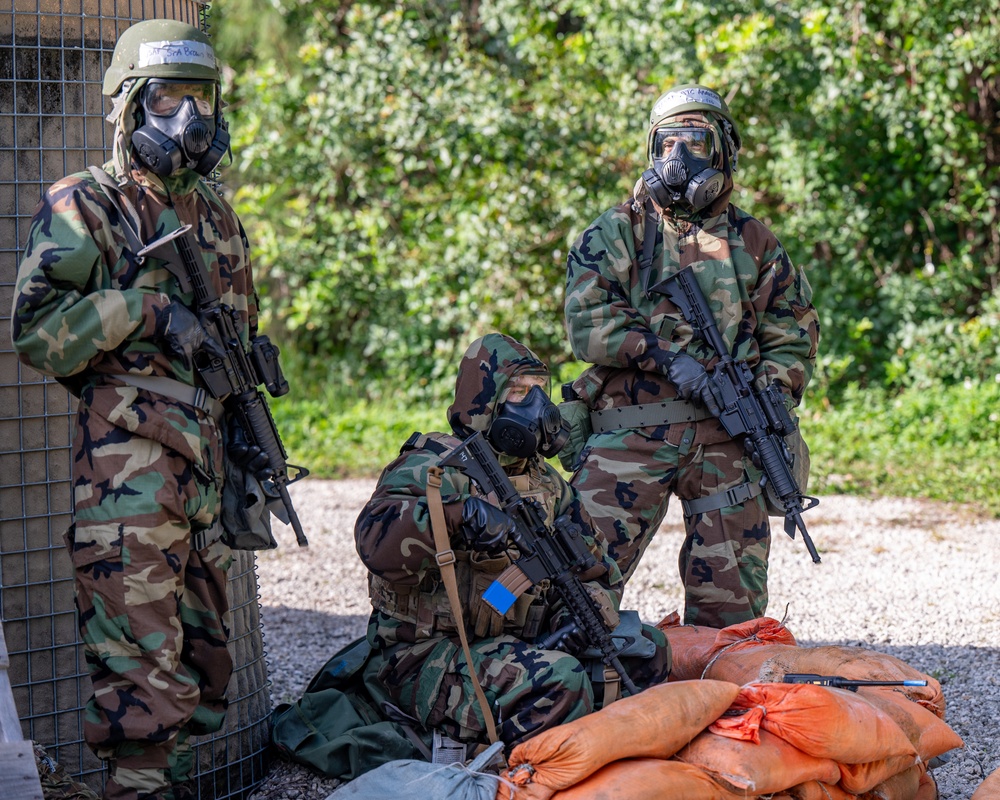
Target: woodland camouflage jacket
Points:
(86, 308)
(761, 303)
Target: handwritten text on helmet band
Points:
(179, 52)
(681, 96)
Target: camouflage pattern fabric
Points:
(57, 784)
(529, 689)
(763, 309)
(626, 478)
(412, 627)
(148, 470)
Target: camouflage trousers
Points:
(530, 689)
(153, 612)
(625, 480)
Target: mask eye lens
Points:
(164, 98)
(698, 141)
(517, 390)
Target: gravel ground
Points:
(913, 578)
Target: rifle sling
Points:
(445, 558)
(649, 234)
(131, 225)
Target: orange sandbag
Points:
(825, 722)
(754, 769)
(692, 647)
(861, 778)
(770, 663)
(929, 735)
(647, 779)
(989, 789)
(655, 723)
(928, 790)
(901, 786)
(814, 790)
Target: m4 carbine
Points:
(758, 415)
(842, 683)
(558, 555)
(234, 378)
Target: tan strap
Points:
(445, 558)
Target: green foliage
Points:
(411, 176)
(942, 443)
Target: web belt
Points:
(646, 415)
(182, 392)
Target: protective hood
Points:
(487, 367)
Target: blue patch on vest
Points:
(499, 597)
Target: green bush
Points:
(942, 443)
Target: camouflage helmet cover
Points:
(685, 99)
(161, 48)
(489, 364)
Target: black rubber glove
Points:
(182, 332)
(485, 528)
(249, 456)
(689, 377)
(565, 634)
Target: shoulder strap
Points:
(445, 558)
(649, 234)
(422, 441)
(131, 224)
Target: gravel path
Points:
(917, 579)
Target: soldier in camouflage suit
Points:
(654, 431)
(412, 628)
(117, 330)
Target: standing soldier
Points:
(115, 325)
(414, 630)
(654, 431)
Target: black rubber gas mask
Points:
(529, 426)
(181, 127)
(682, 174)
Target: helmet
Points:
(687, 98)
(161, 48)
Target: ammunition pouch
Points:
(245, 516)
(427, 608)
(576, 415)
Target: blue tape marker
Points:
(499, 597)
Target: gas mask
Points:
(682, 174)
(532, 425)
(181, 128)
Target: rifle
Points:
(842, 683)
(235, 378)
(759, 415)
(557, 554)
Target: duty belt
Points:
(647, 415)
(182, 392)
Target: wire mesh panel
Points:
(53, 54)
